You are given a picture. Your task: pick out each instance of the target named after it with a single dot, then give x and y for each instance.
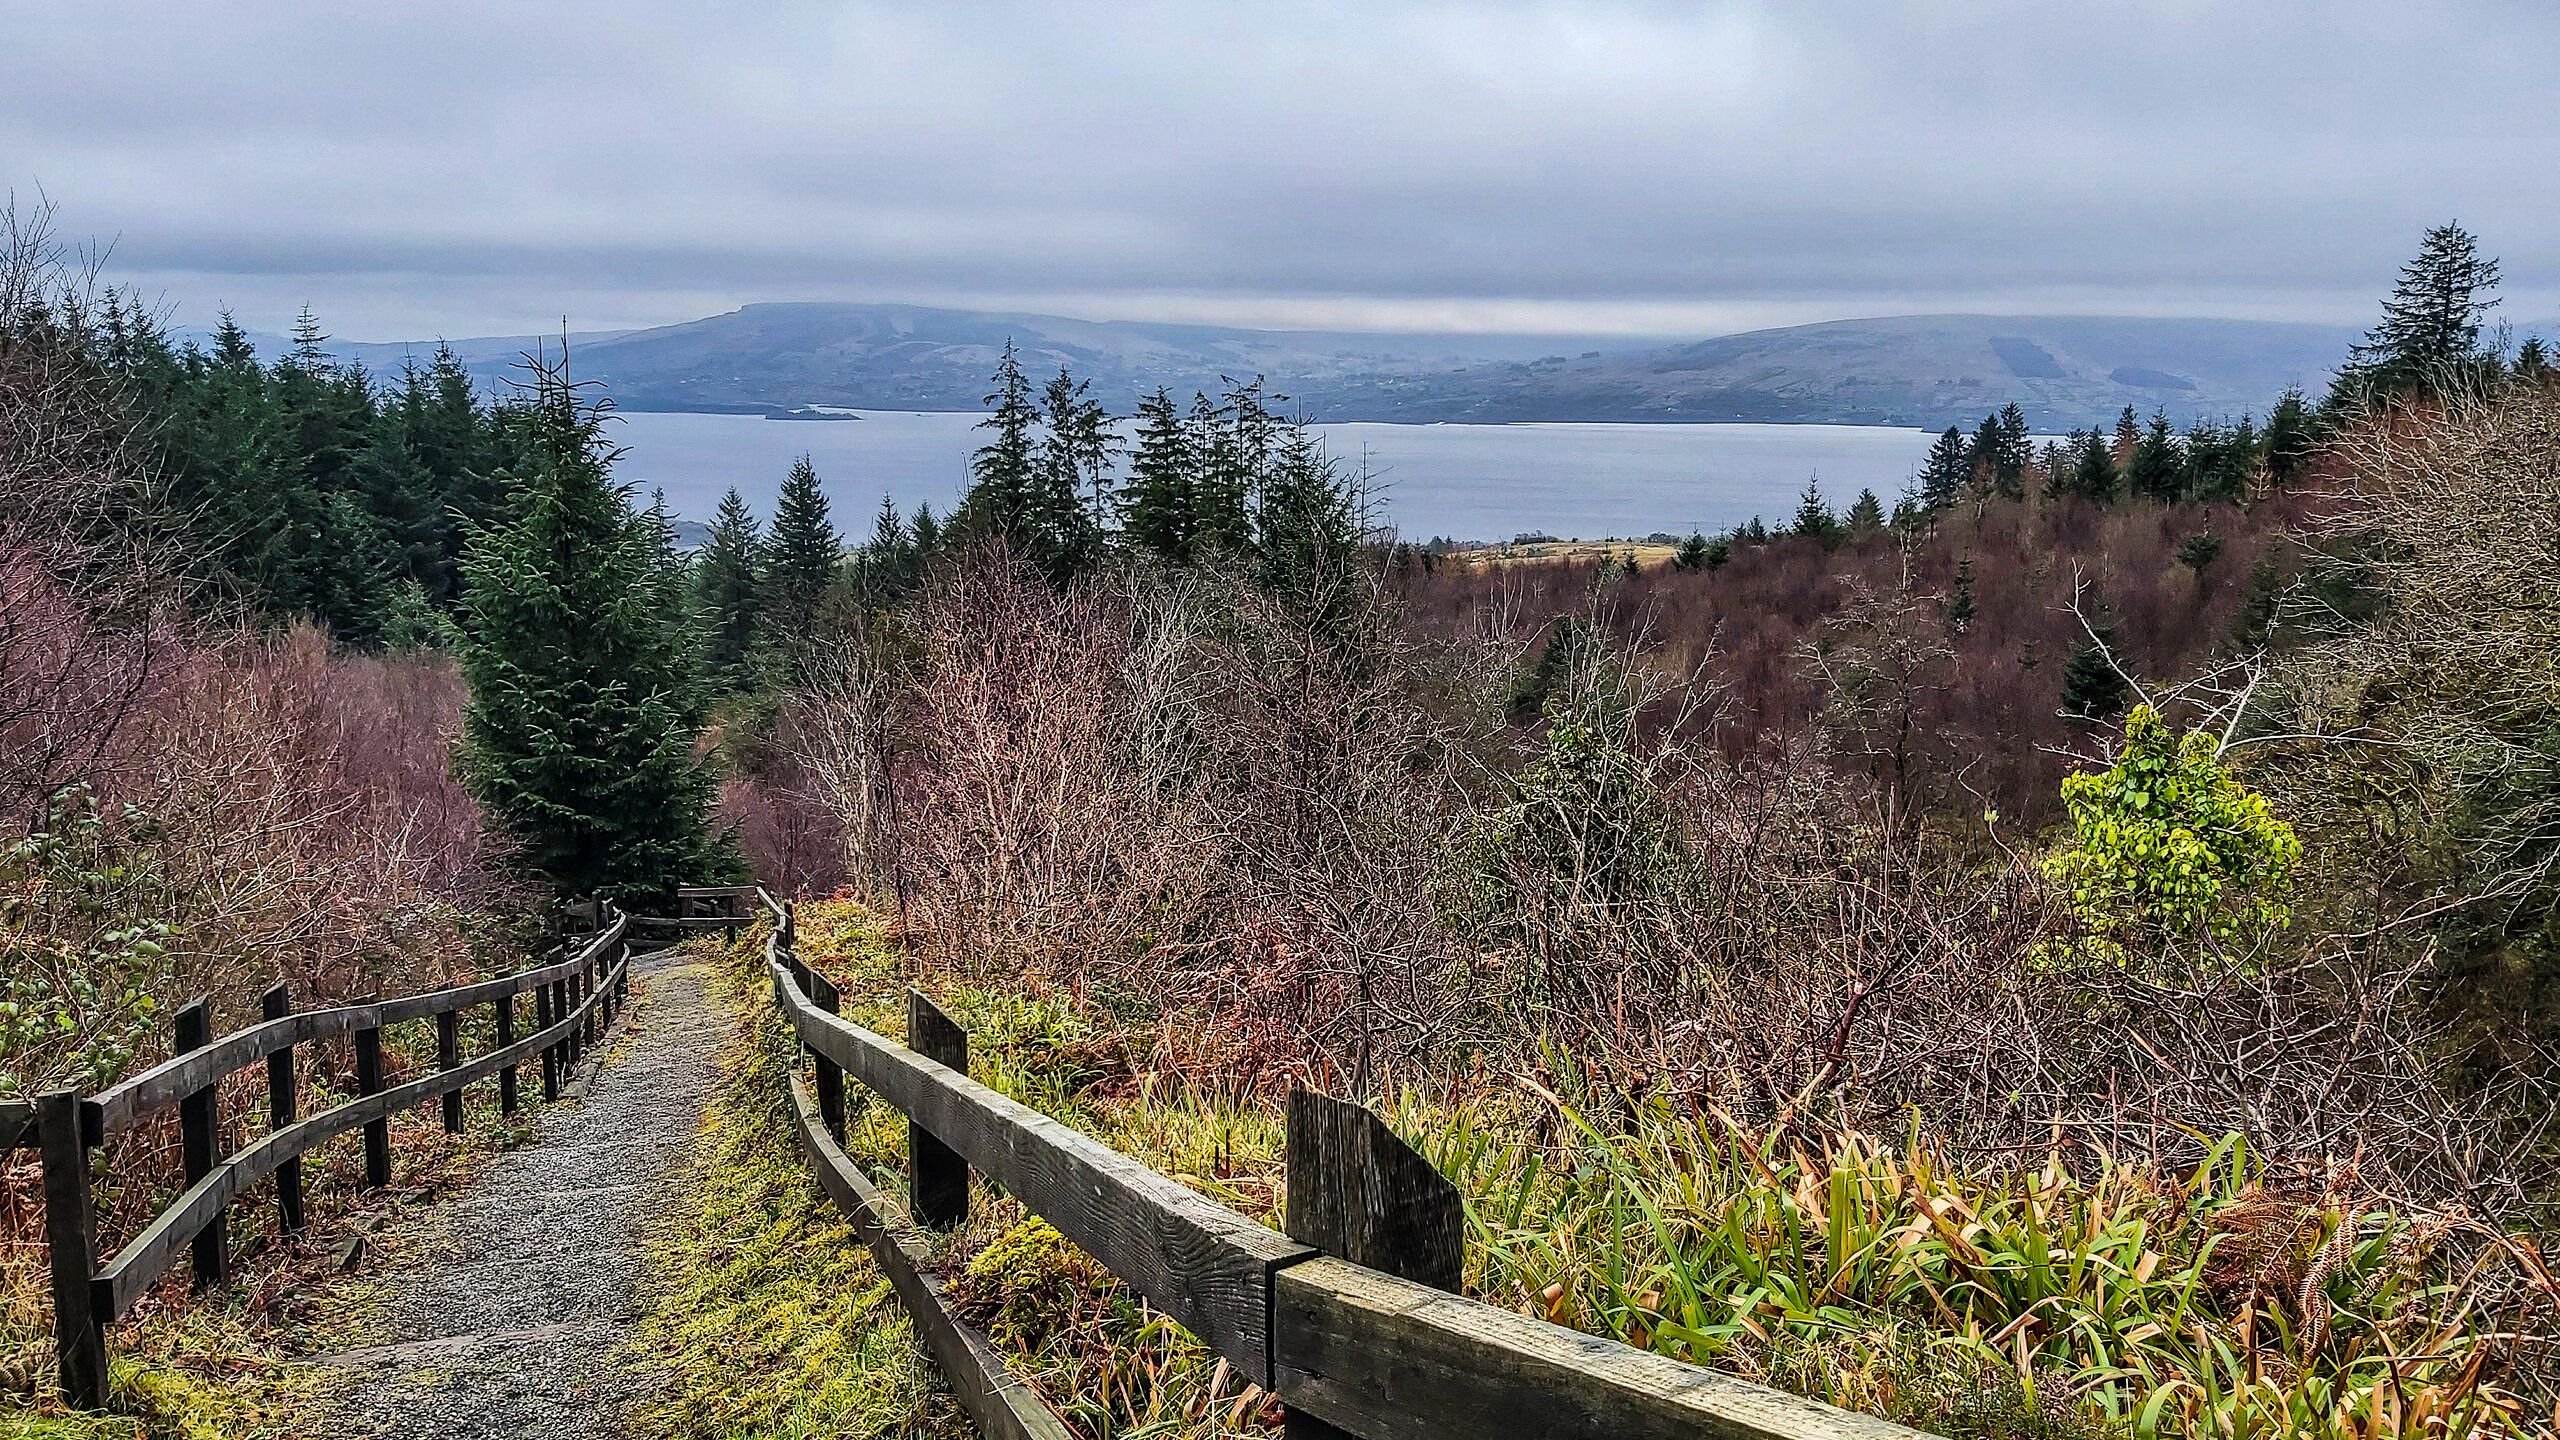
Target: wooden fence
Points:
(575, 1001)
(1349, 1317)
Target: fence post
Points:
(937, 1179)
(284, 1106)
(448, 1055)
(542, 1025)
(200, 1136)
(506, 1036)
(823, 994)
(71, 1243)
(1357, 1191)
(377, 1133)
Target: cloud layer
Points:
(1661, 168)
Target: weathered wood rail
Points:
(1349, 1318)
(575, 1002)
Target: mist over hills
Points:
(1927, 370)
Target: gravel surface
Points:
(511, 1321)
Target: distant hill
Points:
(1927, 370)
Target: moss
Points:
(764, 1314)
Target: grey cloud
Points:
(484, 166)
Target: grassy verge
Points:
(2071, 1295)
(764, 1314)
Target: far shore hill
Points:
(1913, 370)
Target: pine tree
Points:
(725, 589)
(2094, 692)
(2533, 361)
(928, 535)
(1306, 527)
(1225, 476)
(1002, 475)
(2094, 476)
(579, 737)
(1945, 473)
(2290, 437)
(1866, 514)
(2128, 435)
(1156, 505)
(1960, 603)
(889, 565)
(1814, 520)
(2429, 334)
(1692, 554)
(2199, 550)
(2158, 470)
(801, 554)
(2011, 450)
(1072, 481)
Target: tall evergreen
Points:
(2011, 451)
(2094, 692)
(584, 713)
(801, 554)
(724, 577)
(2094, 473)
(1814, 520)
(1225, 472)
(1305, 521)
(1944, 474)
(2533, 361)
(1002, 473)
(1072, 488)
(2158, 469)
(1866, 514)
(2290, 437)
(1156, 505)
(2429, 334)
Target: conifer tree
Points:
(2011, 450)
(1156, 505)
(2094, 474)
(2533, 361)
(584, 713)
(801, 553)
(1072, 480)
(1227, 449)
(2292, 433)
(1305, 524)
(1002, 475)
(1814, 520)
(1960, 603)
(1944, 474)
(2094, 691)
(1691, 554)
(2429, 334)
(2158, 470)
(1866, 514)
(725, 590)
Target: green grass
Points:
(2051, 1299)
(764, 1313)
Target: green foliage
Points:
(585, 702)
(1814, 520)
(1866, 514)
(77, 970)
(2167, 850)
(2199, 550)
(796, 566)
(726, 590)
(2429, 333)
(1944, 475)
(1157, 509)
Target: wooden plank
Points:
(1000, 1405)
(141, 1261)
(507, 1097)
(284, 1106)
(1358, 1192)
(118, 1107)
(200, 1139)
(448, 1055)
(17, 1125)
(830, 1079)
(1393, 1360)
(71, 1248)
(1192, 1258)
(377, 1130)
(937, 1178)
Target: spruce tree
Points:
(1305, 523)
(1960, 609)
(2094, 692)
(1156, 505)
(584, 713)
(1944, 474)
(2094, 476)
(2429, 334)
(1866, 514)
(1071, 480)
(1002, 475)
(801, 554)
(2011, 451)
(1227, 471)
(725, 590)
(2533, 361)
(1692, 554)
(2291, 435)
(2158, 469)
(1814, 520)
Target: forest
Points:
(2070, 951)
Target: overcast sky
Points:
(469, 168)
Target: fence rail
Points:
(17, 1125)
(1349, 1319)
(575, 1001)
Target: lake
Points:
(1471, 482)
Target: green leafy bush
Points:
(76, 967)
(2167, 849)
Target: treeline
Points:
(1226, 482)
(308, 486)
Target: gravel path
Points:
(509, 1323)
